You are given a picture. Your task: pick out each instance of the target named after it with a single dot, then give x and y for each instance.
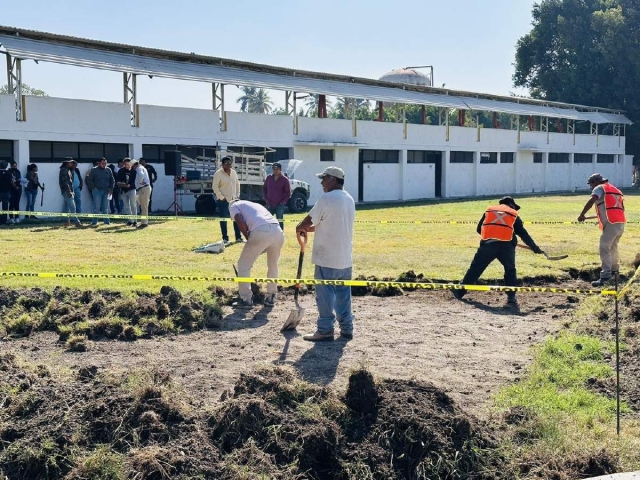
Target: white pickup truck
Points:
(252, 171)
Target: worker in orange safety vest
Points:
(498, 228)
(609, 203)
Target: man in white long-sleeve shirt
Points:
(143, 190)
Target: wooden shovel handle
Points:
(302, 240)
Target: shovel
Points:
(296, 315)
(549, 257)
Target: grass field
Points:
(439, 251)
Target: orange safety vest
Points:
(498, 223)
(613, 205)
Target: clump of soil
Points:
(94, 315)
(273, 425)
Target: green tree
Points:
(255, 100)
(312, 104)
(343, 107)
(26, 90)
(585, 52)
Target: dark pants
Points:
(4, 201)
(504, 252)
(223, 212)
(278, 211)
(14, 202)
(151, 197)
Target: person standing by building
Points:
(498, 228)
(143, 189)
(77, 186)
(31, 188)
(128, 190)
(6, 185)
(226, 187)
(153, 176)
(65, 180)
(331, 218)
(276, 192)
(263, 234)
(609, 203)
(101, 183)
(16, 192)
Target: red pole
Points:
(380, 112)
(424, 115)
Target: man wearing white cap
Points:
(332, 218)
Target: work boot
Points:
(346, 335)
(511, 297)
(601, 282)
(318, 337)
(242, 304)
(269, 300)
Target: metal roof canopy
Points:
(43, 46)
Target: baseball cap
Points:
(509, 202)
(277, 165)
(332, 171)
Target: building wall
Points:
(57, 119)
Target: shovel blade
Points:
(295, 317)
(557, 257)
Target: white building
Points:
(383, 161)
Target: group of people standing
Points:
(11, 183)
(131, 183)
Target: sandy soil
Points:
(468, 348)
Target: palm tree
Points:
(255, 100)
(344, 106)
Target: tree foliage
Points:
(255, 100)
(26, 90)
(585, 52)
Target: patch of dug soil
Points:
(273, 425)
(104, 314)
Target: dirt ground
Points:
(468, 349)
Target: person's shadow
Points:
(240, 319)
(320, 363)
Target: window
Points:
(605, 158)
(537, 157)
(380, 156)
(507, 157)
(54, 152)
(489, 157)
(423, 156)
(582, 158)
(6, 150)
(327, 155)
(558, 158)
(155, 153)
(461, 157)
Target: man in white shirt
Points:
(332, 218)
(263, 234)
(143, 190)
(226, 187)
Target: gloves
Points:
(538, 250)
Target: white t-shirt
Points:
(333, 215)
(254, 214)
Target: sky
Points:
(470, 43)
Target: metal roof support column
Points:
(217, 94)
(594, 131)
(288, 105)
(616, 132)
(544, 126)
(571, 129)
(447, 121)
(131, 96)
(354, 120)
(295, 114)
(14, 84)
(478, 125)
(518, 128)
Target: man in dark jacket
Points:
(16, 192)
(498, 228)
(5, 190)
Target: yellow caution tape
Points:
(291, 220)
(306, 281)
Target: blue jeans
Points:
(77, 197)
(332, 299)
(278, 211)
(31, 199)
(100, 202)
(70, 207)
